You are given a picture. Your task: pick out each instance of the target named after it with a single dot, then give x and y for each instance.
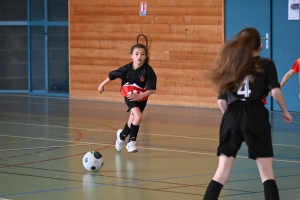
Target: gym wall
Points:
(184, 37)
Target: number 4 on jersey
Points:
(244, 89)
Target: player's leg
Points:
(220, 178)
(224, 168)
(260, 147)
(125, 132)
(230, 140)
(131, 120)
(265, 167)
(137, 116)
(134, 129)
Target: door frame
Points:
(29, 24)
(45, 24)
(251, 19)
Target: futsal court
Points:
(43, 141)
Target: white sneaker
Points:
(119, 142)
(131, 148)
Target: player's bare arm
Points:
(101, 86)
(222, 104)
(286, 77)
(278, 96)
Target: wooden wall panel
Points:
(184, 38)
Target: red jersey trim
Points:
(296, 66)
(264, 100)
(133, 88)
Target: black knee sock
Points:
(125, 132)
(271, 190)
(133, 132)
(213, 190)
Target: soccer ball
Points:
(92, 161)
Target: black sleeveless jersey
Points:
(259, 89)
(144, 76)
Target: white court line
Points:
(47, 147)
(89, 129)
(67, 127)
(33, 138)
(151, 134)
(286, 145)
(213, 154)
(155, 149)
(5, 199)
(149, 111)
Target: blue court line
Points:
(79, 187)
(191, 176)
(227, 195)
(254, 192)
(243, 152)
(287, 157)
(256, 170)
(258, 178)
(129, 182)
(276, 156)
(284, 130)
(122, 183)
(97, 184)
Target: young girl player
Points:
(138, 83)
(243, 79)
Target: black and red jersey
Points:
(296, 66)
(135, 80)
(259, 89)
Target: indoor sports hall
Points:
(43, 141)
(54, 55)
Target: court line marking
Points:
(47, 147)
(124, 184)
(151, 134)
(150, 111)
(107, 130)
(157, 149)
(288, 161)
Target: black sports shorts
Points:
(248, 122)
(132, 104)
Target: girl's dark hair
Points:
(235, 61)
(139, 46)
(252, 32)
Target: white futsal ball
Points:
(92, 161)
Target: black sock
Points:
(134, 129)
(125, 132)
(213, 190)
(271, 190)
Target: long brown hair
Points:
(235, 61)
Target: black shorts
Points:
(132, 104)
(246, 122)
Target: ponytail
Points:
(235, 61)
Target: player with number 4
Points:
(243, 79)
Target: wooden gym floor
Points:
(43, 140)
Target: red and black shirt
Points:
(259, 89)
(135, 81)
